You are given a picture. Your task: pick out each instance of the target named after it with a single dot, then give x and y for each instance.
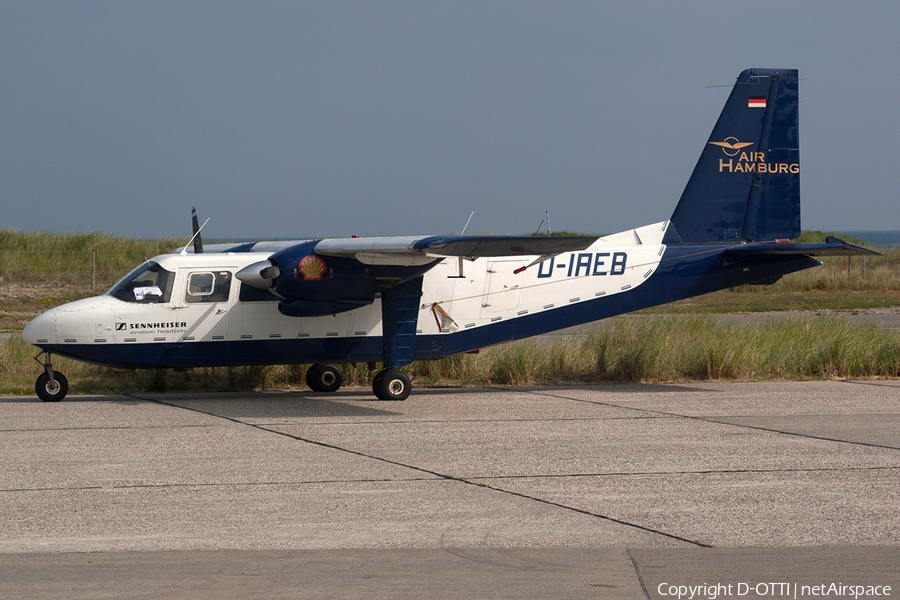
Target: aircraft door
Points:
(503, 286)
(206, 296)
(255, 316)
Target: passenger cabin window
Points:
(208, 286)
(249, 293)
(147, 284)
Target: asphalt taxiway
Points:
(615, 491)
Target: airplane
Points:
(396, 300)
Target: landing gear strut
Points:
(324, 378)
(51, 386)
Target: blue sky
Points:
(310, 119)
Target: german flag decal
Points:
(756, 102)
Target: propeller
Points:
(198, 243)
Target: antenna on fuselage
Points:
(467, 223)
(198, 243)
(459, 259)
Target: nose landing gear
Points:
(51, 386)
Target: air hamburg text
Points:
(755, 162)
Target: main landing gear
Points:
(51, 386)
(324, 378)
(388, 384)
(391, 384)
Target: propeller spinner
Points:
(260, 275)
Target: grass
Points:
(664, 349)
(42, 250)
(622, 349)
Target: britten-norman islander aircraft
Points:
(395, 300)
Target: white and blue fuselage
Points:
(208, 317)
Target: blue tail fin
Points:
(746, 185)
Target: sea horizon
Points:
(887, 238)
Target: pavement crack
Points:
(439, 475)
(637, 571)
(593, 514)
(716, 420)
(693, 472)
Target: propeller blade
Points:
(198, 243)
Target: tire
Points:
(391, 384)
(324, 378)
(51, 393)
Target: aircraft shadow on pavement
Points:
(283, 405)
(308, 403)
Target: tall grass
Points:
(654, 349)
(42, 249)
(46, 258)
(657, 349)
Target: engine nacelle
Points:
(313, 285)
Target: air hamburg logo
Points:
(740, 161)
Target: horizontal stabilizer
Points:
(832, 246)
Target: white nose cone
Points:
(42, 329)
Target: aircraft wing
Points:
(408, 251)
(832, 246)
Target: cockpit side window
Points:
(208, 286)
(147, 284)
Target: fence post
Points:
(93, 268)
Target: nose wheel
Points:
(51, 386)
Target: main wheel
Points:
(51, 392)
(391, 384)
(324, 378)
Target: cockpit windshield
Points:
(147, 284)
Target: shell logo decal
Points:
(312, 268)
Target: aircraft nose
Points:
(41, 329)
